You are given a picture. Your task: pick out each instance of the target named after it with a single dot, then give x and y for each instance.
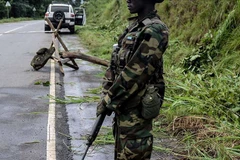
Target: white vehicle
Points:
(56, 12)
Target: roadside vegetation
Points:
(202, 71)
(22, 10)
(14, 20)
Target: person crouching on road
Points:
(133, 86)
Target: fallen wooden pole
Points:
(78, 54)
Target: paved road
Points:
(24, 115)
(24, 106)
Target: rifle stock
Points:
(93, 135)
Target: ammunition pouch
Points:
(151, 102)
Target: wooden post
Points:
(74, 65)
(85, 57)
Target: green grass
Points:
(14, 20)
(74, 99)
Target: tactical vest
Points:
(127, 45)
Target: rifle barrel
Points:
(85, 152)
(96, 127)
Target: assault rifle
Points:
(93, 135)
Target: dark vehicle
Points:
(80, 16)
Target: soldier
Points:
(133, 86)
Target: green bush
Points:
(3, 10)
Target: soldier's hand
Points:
(101, 108)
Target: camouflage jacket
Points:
(137, 62)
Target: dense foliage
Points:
(202, 70)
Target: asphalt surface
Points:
(24, 100)
(23, 105)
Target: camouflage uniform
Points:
(136, 63)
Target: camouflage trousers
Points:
(136, 149)
(133, 138)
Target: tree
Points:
(2, 9)
(24, 8)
